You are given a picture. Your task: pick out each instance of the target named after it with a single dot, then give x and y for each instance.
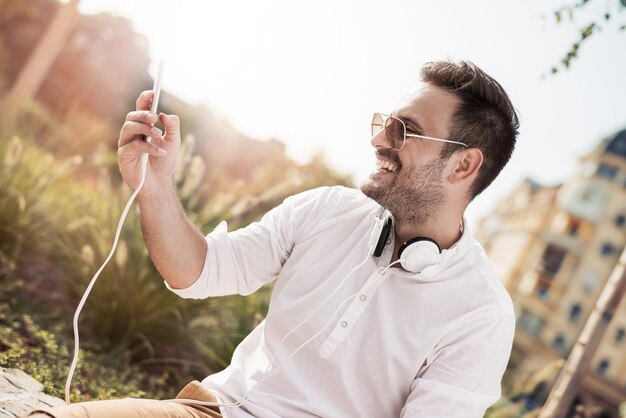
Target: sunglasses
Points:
(396, 134)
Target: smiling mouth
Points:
(386, 165)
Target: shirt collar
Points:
(448, 255)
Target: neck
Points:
(445, 229)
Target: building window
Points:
(574, 312)
(603, 367)
(560, 344)
(543, 291)
(606, 171)
(620, 220)
(607, 249)
(619, 335)
(552, 259)
(618, 144)
(530, 322)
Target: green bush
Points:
(44, 356)
(57, 223)
(55, 234)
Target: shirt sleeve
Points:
(242, 261)
(462, 377)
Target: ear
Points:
(466, 166)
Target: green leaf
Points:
(588, 31)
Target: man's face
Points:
(412, 188)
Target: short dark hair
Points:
(485, 118)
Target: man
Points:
(383, 304)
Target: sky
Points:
(312, 73)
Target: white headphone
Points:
(414, 255)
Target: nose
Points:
(380, 140)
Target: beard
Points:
(412, 195)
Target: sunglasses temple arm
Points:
(437, 139)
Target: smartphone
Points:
(156, 88)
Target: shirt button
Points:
(388, 241)
(344, 324)
(363, 297)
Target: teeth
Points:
(386, 165)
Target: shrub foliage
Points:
(58, 219)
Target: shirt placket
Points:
(351, 316)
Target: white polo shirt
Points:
(433, 344)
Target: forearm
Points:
(176, 246)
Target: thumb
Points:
(171, 123)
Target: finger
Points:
(159, 142)
(131, 129)
(171, 123)
(139, 147)
(134, 130)
(142, 116)
(144, 100)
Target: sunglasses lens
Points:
(394, 131)
(377, 123)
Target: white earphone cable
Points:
(143, 162)
(267, 373)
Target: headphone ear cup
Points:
(418, 253)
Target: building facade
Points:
(554, 248)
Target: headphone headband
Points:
(384, 236)
(415, 254)
(417, 239)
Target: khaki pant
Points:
(141, 408)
